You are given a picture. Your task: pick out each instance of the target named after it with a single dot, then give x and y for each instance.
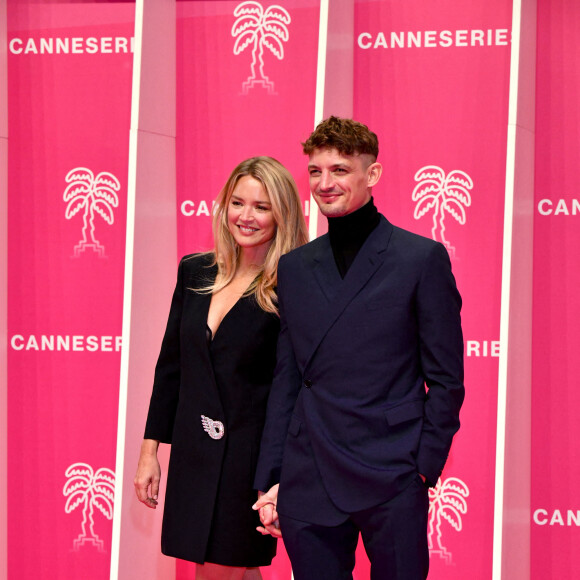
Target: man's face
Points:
(341, 183)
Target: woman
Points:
(213, 377)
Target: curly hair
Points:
(345, 135)
(291, 230)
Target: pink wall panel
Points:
(69, 102)
(3, 277)
(432, 80)
(555, 396)
(150, 271)
(229, 109)
(225, 115)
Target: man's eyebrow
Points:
(343, 164)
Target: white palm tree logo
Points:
(446, 502)
(444, 194)
(94, 195)
(91, 490)
(260, 28)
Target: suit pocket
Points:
(294, 427)
(406, 411)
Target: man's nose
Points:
(326, 181)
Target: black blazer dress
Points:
(209, 402)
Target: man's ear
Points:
(374, 172)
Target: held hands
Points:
(266, 505)
(148, 474)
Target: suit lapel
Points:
(198, 311)
(325, 271)
(341, 292)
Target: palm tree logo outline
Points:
(92, 490)
(445, 195)
(261, 29)
(447, 501)
(95, 195)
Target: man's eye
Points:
(340, 171)
(314, 173)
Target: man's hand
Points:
(266, 505)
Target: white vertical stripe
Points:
(319, 102)
(127, 289)
(505, 295)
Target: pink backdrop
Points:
(432, 81)
(69, 109)
(555, 510)
(227, 112)
(440, 110)
(223, 117)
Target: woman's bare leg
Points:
(253, 574)
(210, 571)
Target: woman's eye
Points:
(263, 208)
(237, 203)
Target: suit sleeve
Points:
(441, 354)
(281, 402)
(165, 396)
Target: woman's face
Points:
(250, 218)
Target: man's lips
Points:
(326, 197)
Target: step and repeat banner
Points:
(555, 509)
(432, 80)
(69, 90)
(246, 86)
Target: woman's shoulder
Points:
(198, 268)
(198, 260)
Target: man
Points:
(370, 317)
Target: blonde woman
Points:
(213, 377)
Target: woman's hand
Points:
(266, 506)
(148, 474)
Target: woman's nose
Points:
(247, 213)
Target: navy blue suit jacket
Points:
(350, 421)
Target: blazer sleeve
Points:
(281, 401)
(441, 352)
(165, 396)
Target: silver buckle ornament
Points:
(215, 429)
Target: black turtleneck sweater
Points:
(348, 233)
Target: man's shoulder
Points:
(410, 237)
(306, 251)
(409, 246)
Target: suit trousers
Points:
(394, 536)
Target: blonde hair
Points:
(291, 230)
